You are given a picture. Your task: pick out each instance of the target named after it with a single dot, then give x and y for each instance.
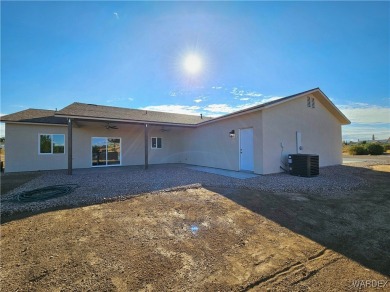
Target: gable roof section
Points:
(316, 92)
(331, 107)
(99, 112)
(35, 116)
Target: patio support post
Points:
(69, 146)
(146, 146)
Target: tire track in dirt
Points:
(300, 271)
(268, 278)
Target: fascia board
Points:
(36, 124)
(124, 121)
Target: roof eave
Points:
(124, 120)
(34, 123)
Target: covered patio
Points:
(111, 118)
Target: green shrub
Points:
(387, 147)
(358, 150)
(375, 149)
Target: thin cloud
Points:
(244, 98)
(177, 109)
(239, 94)
(217, 87)
(366, 120)
(219, 108)
(201, 98)
(116, 15)
(119, 99)
(236, 92)
(366, 113)
(253, 94)
(362, 132)
(211, 110)
(223, 108)
(270, 98)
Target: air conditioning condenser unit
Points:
(306, 165)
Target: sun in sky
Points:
(193, 64)
(228, 52)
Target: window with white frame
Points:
(156, 143)
(51, 143)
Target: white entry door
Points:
(246, 149)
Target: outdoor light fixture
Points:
(232, 134)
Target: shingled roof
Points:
(99, 112)
(38, 116)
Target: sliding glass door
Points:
(106, 151)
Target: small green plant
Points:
(375, 149)
(358, 150)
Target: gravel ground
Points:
(99, 185)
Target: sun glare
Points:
(192, 64)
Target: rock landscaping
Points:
(100, 185)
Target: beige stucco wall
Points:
(25, 157)
(210, 144)
(320, 130)
(22, 146)
(207, 145)
(172, 145)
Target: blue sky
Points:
(132, 54)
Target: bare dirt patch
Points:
(383, 168)
(191, 240)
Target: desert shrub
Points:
(375, 149)
(358, 150)
(346, 148)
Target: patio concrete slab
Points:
(224, 172)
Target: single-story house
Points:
(256, 139)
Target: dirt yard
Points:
(207, 240)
